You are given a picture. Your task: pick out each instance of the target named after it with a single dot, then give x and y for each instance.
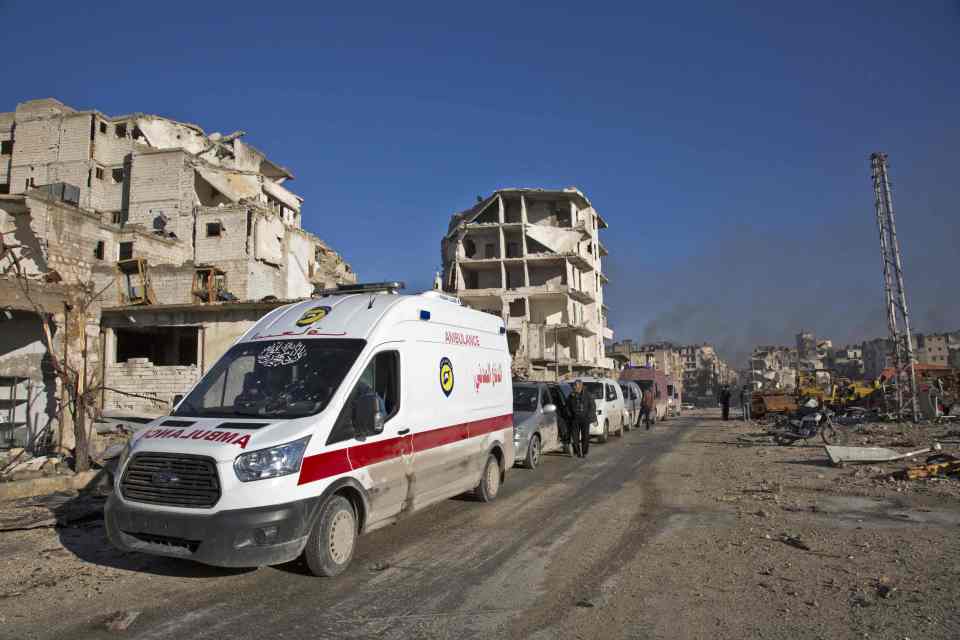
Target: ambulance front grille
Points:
(176, 480)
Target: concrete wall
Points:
(140, 376)
(162, 183)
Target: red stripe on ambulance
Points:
(334, 463)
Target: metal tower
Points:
(894, 294)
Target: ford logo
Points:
(164, 478)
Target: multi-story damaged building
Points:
(187, 237)
(773, 367)
(533, 257)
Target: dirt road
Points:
(675, 533)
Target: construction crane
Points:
(895, 296)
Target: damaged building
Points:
(173, 239)
(533, 257)
(773, 368)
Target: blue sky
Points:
(727, 146)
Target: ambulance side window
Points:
(382, 376)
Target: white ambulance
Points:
(329, 417)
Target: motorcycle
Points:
(820, 422)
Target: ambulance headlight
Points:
(271, 463)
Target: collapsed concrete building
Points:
(704, 372)
(773, 368)
(533, 258)
(171, 240)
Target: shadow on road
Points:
(80, 528)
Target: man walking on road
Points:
(583, 411)
(725, 401)
(646, 408)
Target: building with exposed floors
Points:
(124, 218)
(534, 258)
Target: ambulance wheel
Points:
(606, 432)
(333, 538)
(489, 485)
(533, 452)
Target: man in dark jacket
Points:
(583, 411)
(725, 401)
(646, 408)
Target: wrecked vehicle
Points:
(329, 418)
(535, 427)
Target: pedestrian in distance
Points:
(745, 402)
(583, 411)
(646, 408)
(725, 401)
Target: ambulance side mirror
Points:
(367, 417)
(549, 408)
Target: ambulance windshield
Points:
(272, 379)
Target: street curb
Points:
(43, 486)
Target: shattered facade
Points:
(148, 211)
(939, 349)
(773, 368)
(533, 258)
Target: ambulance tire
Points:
(333, 539)
(489, 485)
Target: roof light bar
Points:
(364, 287)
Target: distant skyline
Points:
(727, 147)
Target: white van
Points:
(610, 409)
(328, 418)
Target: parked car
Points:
(632, 401)
(535, 428)
(328, 418)
(610, 413)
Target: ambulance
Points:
(328, 418)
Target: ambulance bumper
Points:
(236, 538)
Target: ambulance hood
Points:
(223, 439)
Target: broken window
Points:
(103, 127)
(120, 130)
(30, 182)
(117, 174)
(6, 148)
(136, 134)
(126, 250)
(518, 308)
(116, 217)
(469, 248)
(98, 250)
(4, 187)
(163, 346)
(99, 173)
(214, 229)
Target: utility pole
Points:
(894, 294)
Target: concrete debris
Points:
(121, 620)
(795, 541)
(840, 456)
